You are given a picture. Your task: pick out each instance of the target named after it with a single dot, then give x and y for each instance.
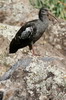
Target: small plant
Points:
(58, 7)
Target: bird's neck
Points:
(43, 18)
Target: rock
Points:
(4, 43)
(56, 35)
(1, 95)
(24, 76)
(41, 79)
(8, 31)
(17, 12)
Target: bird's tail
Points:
(14, 46)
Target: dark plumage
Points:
(30, 32)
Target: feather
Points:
(30, 32)
(26, 31)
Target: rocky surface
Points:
(31, 78)
(40, 78)
(16, 12)
(22, 75)
(56, 35)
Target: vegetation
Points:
(58, 7)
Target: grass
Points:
(58, 7)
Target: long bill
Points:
(53, 16)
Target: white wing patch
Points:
(26, 33)
(28, 29)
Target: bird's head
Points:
(44, 13)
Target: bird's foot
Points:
(36, 54)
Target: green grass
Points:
(58, 7)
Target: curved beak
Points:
(49, 13)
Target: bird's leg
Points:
(31, 47)
(33, 51)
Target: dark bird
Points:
(30, 32)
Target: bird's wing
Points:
(26, 31)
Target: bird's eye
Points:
(44, 12)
